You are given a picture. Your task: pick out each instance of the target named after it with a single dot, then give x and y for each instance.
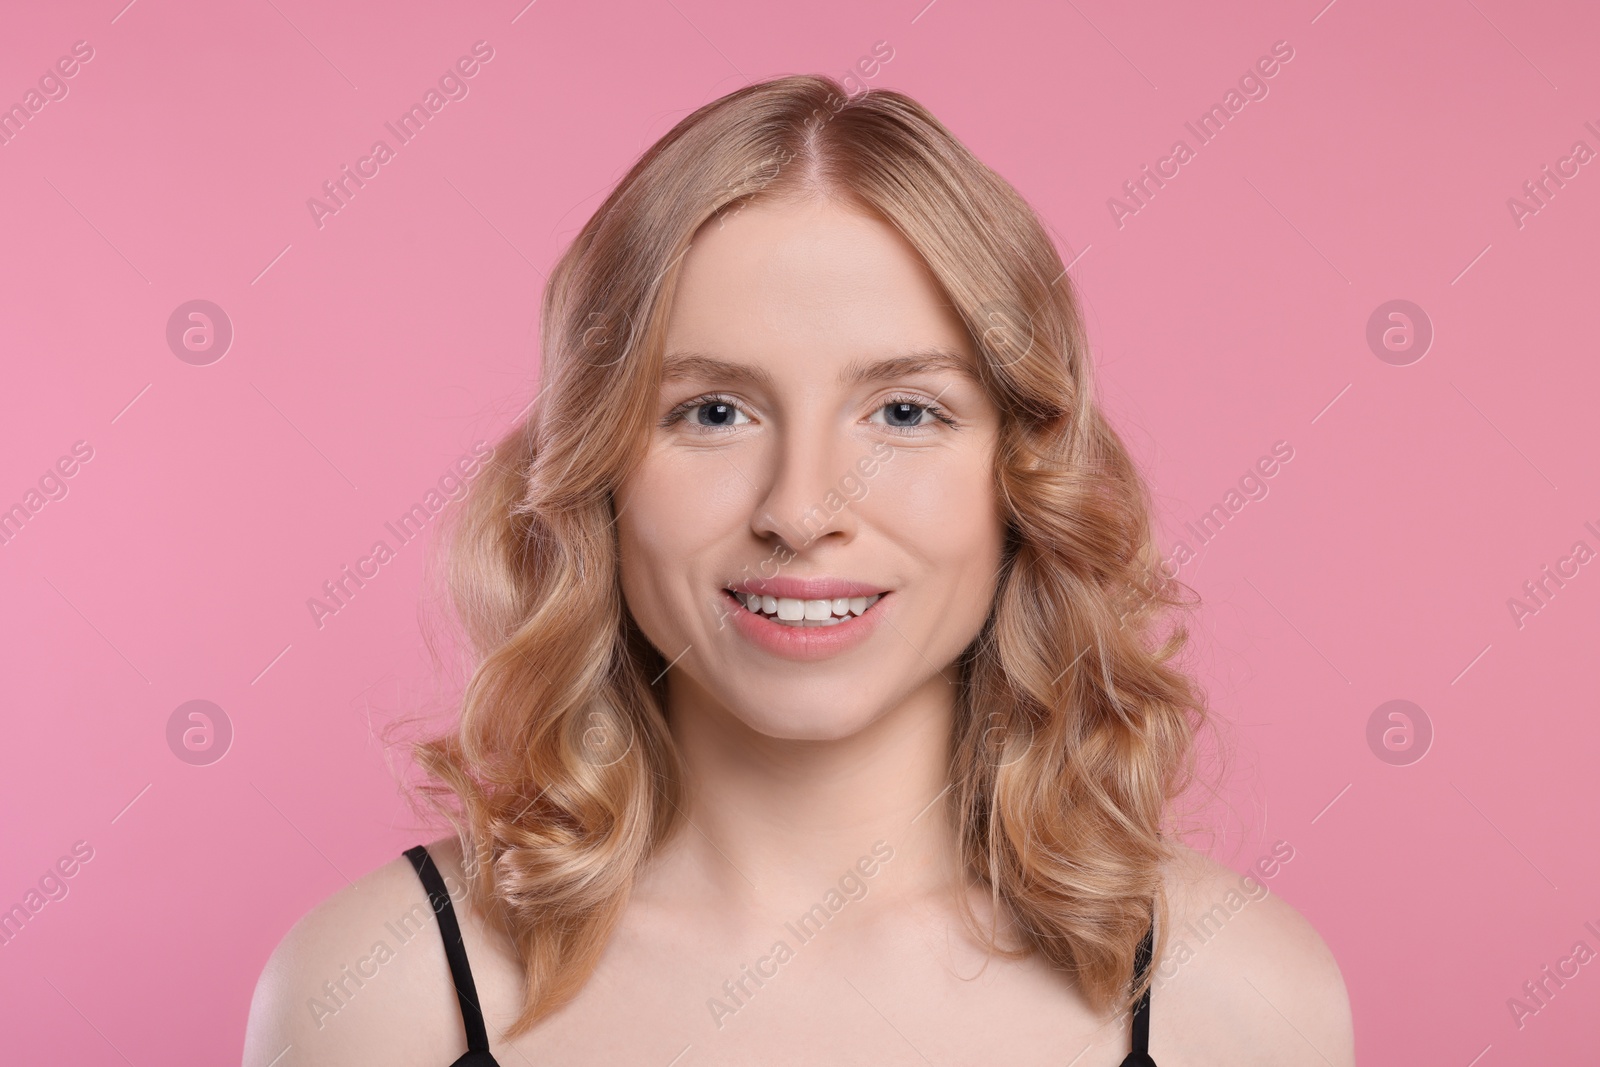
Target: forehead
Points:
(814, 281)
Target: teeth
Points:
(796, 612)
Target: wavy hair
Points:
(1075, 729)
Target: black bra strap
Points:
(1141, 1011)
(455, 949)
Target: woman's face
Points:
(819, 438)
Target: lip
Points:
(807, 588)
(804, 642)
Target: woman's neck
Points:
(768, 822)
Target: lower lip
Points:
(804, 642)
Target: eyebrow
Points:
(697, 365)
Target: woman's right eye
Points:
(719, 413)
(708, 413)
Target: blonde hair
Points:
(561, 777)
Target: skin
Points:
(796, 770)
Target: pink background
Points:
(1228, 314)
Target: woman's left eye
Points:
(907, 414)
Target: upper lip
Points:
(807, 588)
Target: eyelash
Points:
(679, 413)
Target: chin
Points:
(818, 720)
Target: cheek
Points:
(648, 553)
(947, 515)
(669, 520)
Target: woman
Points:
(821, 712)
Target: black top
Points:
(477, 1054)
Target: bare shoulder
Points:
(1243, 978)
(361, 978)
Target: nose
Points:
(804, 500)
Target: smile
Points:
(805, 614)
